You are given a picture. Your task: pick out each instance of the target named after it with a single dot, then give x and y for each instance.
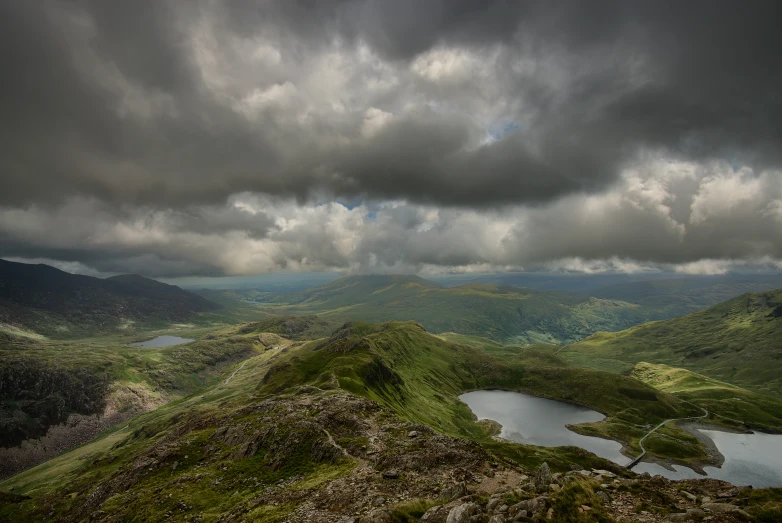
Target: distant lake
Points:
(162, 341)
(750, 459)
(537, 421)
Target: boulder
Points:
(462, 513)
(543, 477)
(438, 514)
(690, 497)
(454, 491)
(718, 508)
(731, 493)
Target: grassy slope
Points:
(729, 403)
(739, 342)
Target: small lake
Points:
(537, 421)
(162, 341)
(750, 459)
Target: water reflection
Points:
(162, 341)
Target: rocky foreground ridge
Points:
(331, 456)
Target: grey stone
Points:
(412, 434)
(690, 497)
(543, 477)
(462, 513)
(391, 474)
(718, 508)
(603, 497)
(454, 491)
(731, 493)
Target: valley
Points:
(290, 417)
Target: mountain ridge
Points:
(737, 341)
(55, 303)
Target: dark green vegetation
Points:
(48, 301)
(290, 327)
(44, 382)
(738, 342)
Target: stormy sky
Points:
(200, 137)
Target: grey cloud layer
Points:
(171, 103)
(203, 137)
(727, 217)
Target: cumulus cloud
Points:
(629, 228)
(206, 137)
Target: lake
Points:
(537, 421)
(162, 341)
(750, 459)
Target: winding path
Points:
(638, 458)
(234, 372)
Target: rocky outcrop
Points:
(330, 456)
(543, 477)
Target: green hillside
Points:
(507, 314)
(738, 342)
(729, 403)
(94, 384)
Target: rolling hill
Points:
(55, 303)
(738, 342)
(507, 314)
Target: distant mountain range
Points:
(55, 303)
(738, 341)
(506, 313)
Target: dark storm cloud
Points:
(111, 99)
(199, 137)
